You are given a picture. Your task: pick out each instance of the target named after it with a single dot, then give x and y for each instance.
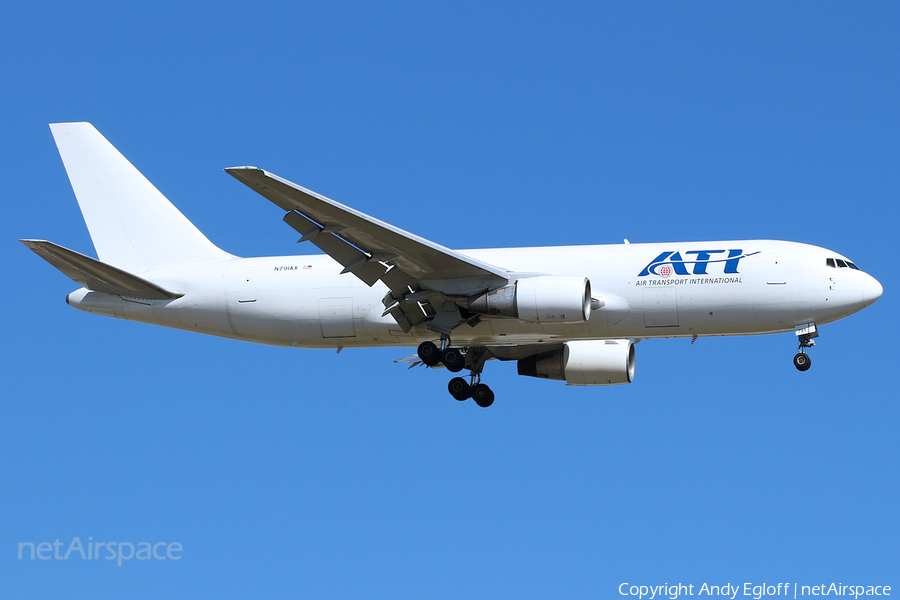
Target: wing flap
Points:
(97, 276)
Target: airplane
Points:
(569, 313)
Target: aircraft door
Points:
(246, 286)
(776, 269)
(336, 317)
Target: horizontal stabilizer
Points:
(97, 276)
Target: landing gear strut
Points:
(479, 392)
(455, 361)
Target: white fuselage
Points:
(304, 301)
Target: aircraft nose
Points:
(871, 290)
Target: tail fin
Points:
(133, 226)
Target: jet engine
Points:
(590, 362)
(543, 299)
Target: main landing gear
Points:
(805, 335)
(455, 361)
(461, 389)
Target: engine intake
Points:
(543, 299)
(590, 362)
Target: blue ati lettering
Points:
(672, 262)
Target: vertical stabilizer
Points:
(133, 226)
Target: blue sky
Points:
(300, 473)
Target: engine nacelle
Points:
(591, 362)
(543, 299)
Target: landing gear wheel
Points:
(459, 388)
(482, 395)
(453, 359)
(429, 354)
(802, 362)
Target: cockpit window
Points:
(835, 263)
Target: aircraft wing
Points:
(413, 268)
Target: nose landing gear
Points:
(802, 361)
(805, 333)
(454, 360)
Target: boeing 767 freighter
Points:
(570, 313)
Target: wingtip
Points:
(70, 124)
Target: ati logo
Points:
(668, 262)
